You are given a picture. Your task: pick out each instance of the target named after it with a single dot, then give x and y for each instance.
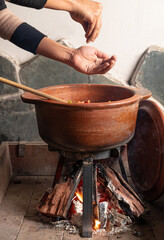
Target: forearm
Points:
(65, 5)
(55, 51)
(25, 36)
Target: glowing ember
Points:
(97, 224)
(79, 195)
(109, 216)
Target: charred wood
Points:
(57, 202)
(116, 186)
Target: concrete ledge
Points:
(5, 169)
(32, 159)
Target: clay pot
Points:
(96, 126)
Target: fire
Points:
(97, 224)
(79, 195)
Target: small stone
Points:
(137, 234)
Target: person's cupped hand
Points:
(89, 60)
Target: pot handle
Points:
(142, 93)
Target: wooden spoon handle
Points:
(28, 89)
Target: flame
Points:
(97, 224)
(79, 195)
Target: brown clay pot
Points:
(88, 127)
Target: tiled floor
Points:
(19, 219)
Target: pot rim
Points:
(138, 94)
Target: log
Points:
(56, 203)
(53, 203)
(128, 201)
(112, 200)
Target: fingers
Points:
(105, 57)
(110, 60)
(90, 29)
(95, 22)
(85, 26)
(88, 14)
(113, 58)
(105, 70)
(93, 30)
(104, 67)
(102, 55)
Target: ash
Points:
(60, 225)
(78, 206)
(112, 222)
(67, 226)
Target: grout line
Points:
(31, 195)
(19, 228)
(9, 96)
(26, 209)
(62, 236)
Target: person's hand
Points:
(88, 14)
(89, 60)
(86, 59)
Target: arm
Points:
(87, 60)
(86, 12)
(37, 4)
(18, 32)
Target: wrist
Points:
(67, 54)
(55, 51)
(72, 5)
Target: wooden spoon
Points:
(28, 89)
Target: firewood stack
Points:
(57, 201)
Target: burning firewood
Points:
(56, 199)
(123, 194)
(114, 201)
(56, 203)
